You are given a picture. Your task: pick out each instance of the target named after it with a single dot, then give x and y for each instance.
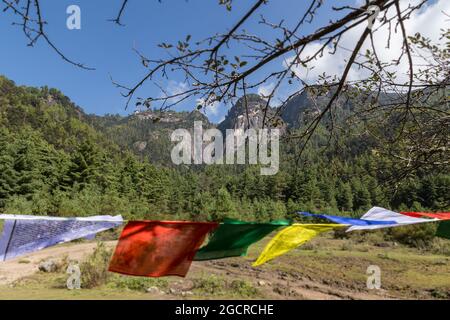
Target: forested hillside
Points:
(146, 133)
(56, 160)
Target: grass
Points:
(210, 285)
(24, 261)
(52, 286)
(138, 284)
(219, 286)
(405, 272)
(243, 288)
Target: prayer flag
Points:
(437, 215)
(25, 234)
(290, 238)
(381, 214)
(158, 248)
(233, 237)
(346, 220)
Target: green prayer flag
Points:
(233, 237)
(443, 230)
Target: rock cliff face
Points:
(305, 106)
(252, 116)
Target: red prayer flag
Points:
(437, 215)
(158, 248)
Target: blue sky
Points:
(108, 47)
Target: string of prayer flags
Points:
(25, 234)
(158, 248)
(346, 220)
(381, 214)
(291, 238)
(164, 248)
(233, 237)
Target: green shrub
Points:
(309, 246)
(347, 246)
(24, 261)
(136, 283)
(440, 246)
(213, 285)
(94, 270)
(243, 288)
(18, 205)
(417, 236)
(41, 204)
(440, 294)
(340, 233)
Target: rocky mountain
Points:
(252, 116)
(306, 105)
(147, 133)
(296, 112)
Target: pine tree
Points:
(84, 168)
(26, 166)
(361, 196)
(8, 176)
(224, 205)
(344, 197)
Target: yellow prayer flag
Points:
(290, 238)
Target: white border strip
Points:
(93, 218)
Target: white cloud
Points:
(266, 89)
(211, 109)
(428, 21)
(327, 63)
(221, 119)
(174, 87)
(280, 95)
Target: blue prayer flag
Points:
(27, 234)
(347, 220)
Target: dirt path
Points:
(274, 284)
(27, 265)
(280, 285)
